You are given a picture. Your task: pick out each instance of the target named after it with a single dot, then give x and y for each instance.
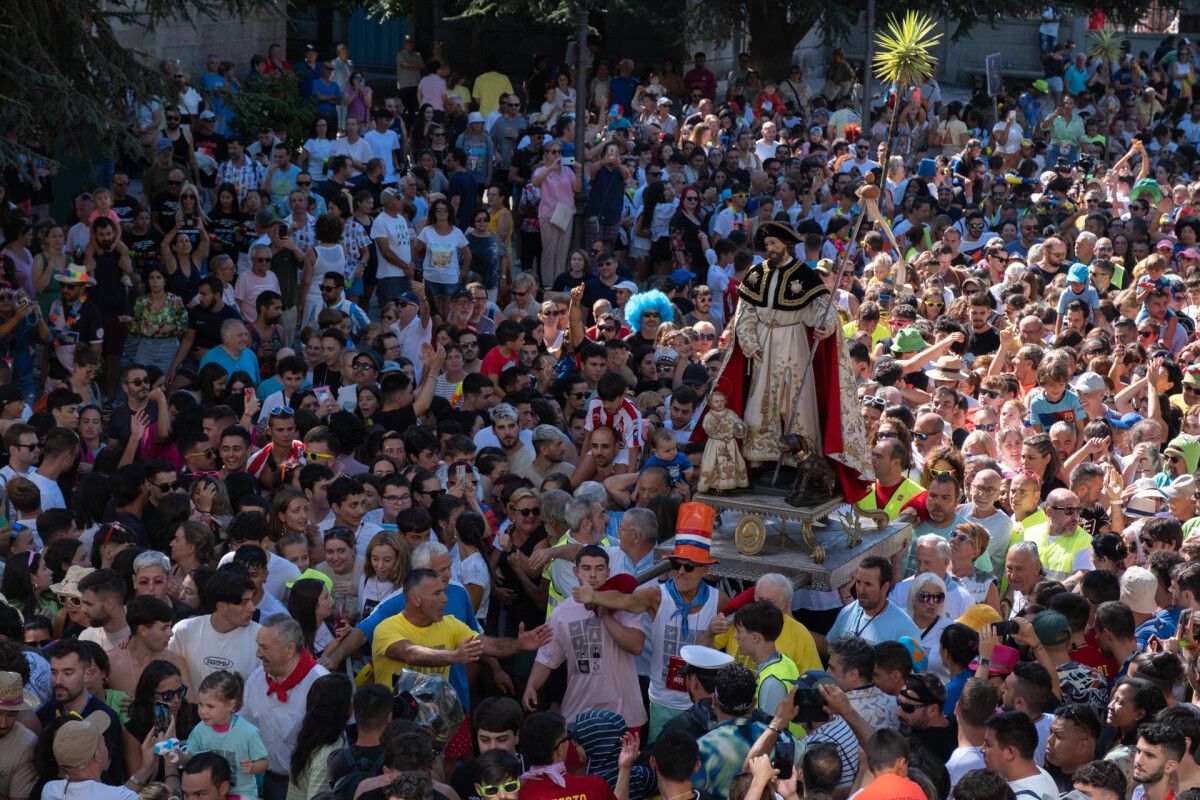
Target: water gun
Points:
(170, 749)
(1013, 179)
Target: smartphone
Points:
(323, 394)
(248, 394)
(162, 716)
(784, 759)
(1006, 627)
(460, 473)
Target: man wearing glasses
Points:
(333, 297)
(733, 215)
(1064, 546)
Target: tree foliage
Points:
(270, 103)
(69, 78)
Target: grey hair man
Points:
(933, 555)
(278, 713)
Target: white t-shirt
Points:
(52, 496)
(360, 151)
(279, 571)
(1015, 134)
(399, 234)
(382, 145)
(475, 571)
(1036, 787)
(441, 254)
(962, 761)
(207, 651)
(85, 790)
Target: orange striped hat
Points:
(693, 533)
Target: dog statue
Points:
(815, 480)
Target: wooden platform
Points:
(785, 550)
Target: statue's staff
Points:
(867, 194)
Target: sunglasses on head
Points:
(283, 411)
(874, 402)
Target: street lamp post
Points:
(865, 110)
(581, 105)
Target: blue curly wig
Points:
(653, 300)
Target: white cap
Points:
(1138, 586)
(628, 286)
(1089, 382)
(701, 657)
(1183, 486)
(474, 116)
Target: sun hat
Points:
(76, 275)
(978, 616)
(693, 533)
(69, 585)
(1183, 486)
(1041, 85)
(908, 340)
(13, 696)
(1078, 273)
(948, 368)
(474, 117)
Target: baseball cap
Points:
(458, 293)
(390, 193)
(615, 111)
(207, 115)
(165, 144)
(1127, 420)
(1138, 587)
(409, 297)
(1052, 628)
(682, 276)
(1004, 658)
(1089, 382)
(628, 286)
(76, 742)
(664, 101)
(918, 654)
(1078, 273)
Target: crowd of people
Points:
(293, 418)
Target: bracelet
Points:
(773, 728)
(985, 662)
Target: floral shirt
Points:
(356, 240)
(159, 323)
(244, 178)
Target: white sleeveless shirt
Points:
(665, 642)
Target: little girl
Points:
(223, 731)
(102, 198)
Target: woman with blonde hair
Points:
(384, 568)
(968, 544)
(979, 443)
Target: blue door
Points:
(375, 42)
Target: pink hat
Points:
(1164, 244)
(1004, 658)
(1191, 252)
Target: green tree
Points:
(270, 103)
(70, 81)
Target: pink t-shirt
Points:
(249, 287)
(600, 675)
(557, 187)
(111, 215)
(432, 90)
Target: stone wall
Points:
(191, 43)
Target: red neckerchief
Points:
(281, 688)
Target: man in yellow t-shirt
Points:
(795, 641)
(490, 87)
(422, 638)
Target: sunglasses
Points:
(874, 402)
(988, 394)
(209, 453)
(328, 288)
(69, 601)
(144, 582)
(532, 511)
(922, 436)
(987, 427)
(686, 566)
(931, 597)
(508, 787)
(168, 487)
(1070, 511)
(363, 366)
(909, 708)
(434, 493)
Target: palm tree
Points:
(1107, 46)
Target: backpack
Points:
(360, 770)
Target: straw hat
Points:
(13, 696)
(69, 587)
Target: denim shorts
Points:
(435, 289)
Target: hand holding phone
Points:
(162, 716)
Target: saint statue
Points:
(784, 329)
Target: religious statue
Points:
(722, 467)
(790, 371)
(815, 481)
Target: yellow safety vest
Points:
(1018, 534)
(906, 491)
(784, 669)
(1058, 554)
(556, 595)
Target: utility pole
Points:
(866, 76)
(581, 112)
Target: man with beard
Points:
(71, 669)
(125, 205)
(1115, 634)
(1159, 750)
(1071, 744)
(102, 595)
(135, 380)
(1065, 547)
(150, 622)
(548, 444)
(165, 204)
(871, 616)
(919, 709)
(204, 323)
(283, 446)
(941, 507)
(266, 334)
(75, 321)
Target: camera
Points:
(810, 706)
(1006, 627)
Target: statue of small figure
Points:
(722, 467)
(815, 480)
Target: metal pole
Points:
(866, 76)
(581, 113)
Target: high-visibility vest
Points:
(784, 669)
(555, 595)
(906, 491)
(1058, 554)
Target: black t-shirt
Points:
(565, 282)
(224, 228)
(122, 415)
(207, 324)
(115, 774)
(324, 376)
(595, 289)
(399, 420)
(286, 267)
(109, 293)
(329, 189)
(940, 741)
(984, 343)
(213, 146)
(126, 208)
(143, 248)
(86, 327)
(163, 209)
(1092, 518)
(338, 766)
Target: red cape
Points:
(734, 383)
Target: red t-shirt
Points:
(1090, 656)
(496, 362)
(579, 787)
